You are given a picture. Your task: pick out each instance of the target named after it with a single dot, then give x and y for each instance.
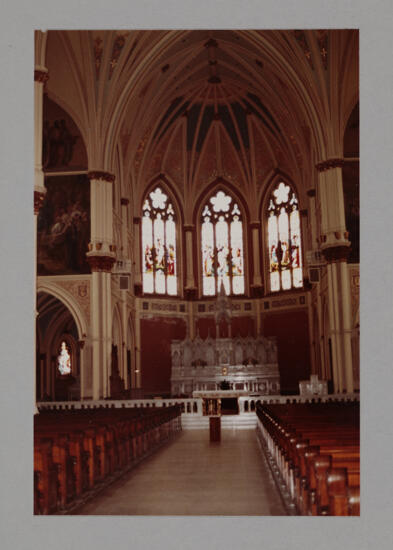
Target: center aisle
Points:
(192, 476)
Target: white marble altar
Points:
(242, 364)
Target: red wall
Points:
(156, 337)
(241, 326)
(291, 329)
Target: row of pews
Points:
(77, 452)
(315, 452)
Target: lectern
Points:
(215, 428)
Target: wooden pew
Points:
(76, 450)
(317, 451)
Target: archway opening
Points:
(58, 362)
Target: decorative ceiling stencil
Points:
(118, 46)
(98, 49)
(322, 37)
(301, 38)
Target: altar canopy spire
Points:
(223, 310)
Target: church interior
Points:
(196, 206)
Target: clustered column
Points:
(101, 257)
(124, 208)
(40, 77)
(335, 248)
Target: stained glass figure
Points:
(64, 360)
(284, 240)
(222, 246)
(159, 268)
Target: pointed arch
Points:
(221, 218)
(70, 303)
(282, 236)
(160, 241)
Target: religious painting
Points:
(63, 226)
(63, 148)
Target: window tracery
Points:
(222, 245)
(284, 239)
(159, 262)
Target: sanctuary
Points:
(248, 364)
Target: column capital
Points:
(255, 225)
(304, 212)
(101, 175)
(336, 253)
(39, 197)
(329, 164)
(41, 75)
(311, 193)
(188, 227)
(101, 263)
(124, 201)
(136, 220)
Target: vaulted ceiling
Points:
(197, 105)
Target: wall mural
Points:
(63, 226)
(62, 144)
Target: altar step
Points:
(235, 422)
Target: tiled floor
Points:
(192, 476)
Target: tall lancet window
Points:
(159, 265)
(284, 239)
(222, 246)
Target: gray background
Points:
(19, 528)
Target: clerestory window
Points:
(284, 239)
(159, 260)
(222, 245)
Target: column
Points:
(347, 324)
(256, 285)
(40, 77)
(124, 218)
(335, 248)
(312, 218)
(137, 257)
(190, 291)
(138, 374)
(101, 257)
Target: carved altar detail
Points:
(246, 364)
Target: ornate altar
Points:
(248, 364)
(240, 364)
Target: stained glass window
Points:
(64, 359)
(222, 246)
(284, 240)
(159, 244)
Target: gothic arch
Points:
(70, 303)
(176, 215)
(220, 184)
(275, 180)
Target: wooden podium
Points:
(215, 428)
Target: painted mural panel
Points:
(63, 226)
(62, 144)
